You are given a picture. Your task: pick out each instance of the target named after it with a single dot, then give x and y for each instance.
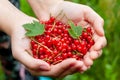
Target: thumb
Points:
(43, 16)
(93, 18)
(98, 26)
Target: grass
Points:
(2, 76)
(25, 7)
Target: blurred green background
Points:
(107, 66)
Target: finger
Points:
(72, 70)
(63, 66)
(83, 23)
(57, 69)
(94, 55)
(29, 61)
(88, 67)
(43, 16)
(87, 60)
(83, 68)
(100, 43)
(99, 53)
(94, 19)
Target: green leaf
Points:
(78, 30)
(72, 34)
(34, 29)
(74, 31)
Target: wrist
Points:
(10, 17)
(18, 25)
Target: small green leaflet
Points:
(75, 31)
(34, 29)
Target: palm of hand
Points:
(81, 15)
(84, 16)
(21, 51)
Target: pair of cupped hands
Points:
(81, 15)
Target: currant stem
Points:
(58, 54)
(47, 59)
(59, 14)
(37, 49)
(56, 18)
(78, 53)
(42, 45)
(62, 17)
(57, 62)
(28, 51)
(53, 26)
(79, 39)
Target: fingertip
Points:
(44, 17)
(43, 65)
(99, 53)
(88, 61)
(67, 63)
(93, 55)
(99, 31)
(37, 64)
(84, 68)
(71, 61)
(95, 20)
(100, 43)
(89, 67)
(98, 26)
(97, 46)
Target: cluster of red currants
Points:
(56, 44)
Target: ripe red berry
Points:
(84, 34)
(35, 46)
(64, 55)
(56, 44)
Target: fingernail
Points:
(44, 67)
(102, 32)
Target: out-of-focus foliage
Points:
(2, 76)
(25, 7)
(107, 66)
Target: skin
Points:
(81, 15)
(11, 21)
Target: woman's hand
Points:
(78, 13)
(21, 51)
(11, 22)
